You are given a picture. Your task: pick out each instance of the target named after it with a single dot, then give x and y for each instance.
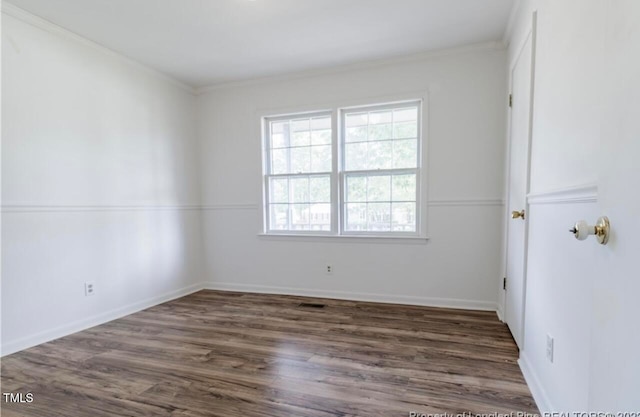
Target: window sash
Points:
(387, 172)
(267, 205)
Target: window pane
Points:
(379, 217)
(380, 155)
(300, 134)
(355, 157)
(356, 217)
(300, 217)
(299, 125)
(300, 160)
(405, 115)
(379, 188)
(279, 134)
(321, 123)
(320, 189)
(378, 117)
(356, 188)
(321, 158)
(321, 137)
(405, 130)
(299, 190)
(405, 153)
(356, 134)
(279, 161)
(279, 189)
(277, 140)
(380, 132)
(356, 119)
(320, 216)
(279, 126)
(279, 216)
(403, 187)
(403, 217)
(301, 138)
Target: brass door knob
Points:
(601, 230)
(517, 214)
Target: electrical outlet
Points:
(89, 288)
(328, 269)
(550, 348)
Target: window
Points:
(299, 167)
(362, 180)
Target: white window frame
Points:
(337, 176)
(372, 172)
(267, 173)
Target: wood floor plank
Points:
(229, 354)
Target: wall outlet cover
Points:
(89, 288)
(550, 348)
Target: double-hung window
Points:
(361, 178)
(299, 170)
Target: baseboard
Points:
(67, 329)
(538, 392)
(355, 296)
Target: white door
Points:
(518, 187)
(615, 331)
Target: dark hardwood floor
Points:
(231, 354)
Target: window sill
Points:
(414, 240)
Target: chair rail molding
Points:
(48, 208)
(585, 193)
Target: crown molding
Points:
(36, 21)
(513, 15)
(311, 73)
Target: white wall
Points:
(100, 182)
(584, 141)
(460, 264)
(99, 173)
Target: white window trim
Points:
(266, 164)
(418, 170)
(335, 109)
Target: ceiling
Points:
(206, 42)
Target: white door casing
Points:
(518, 188)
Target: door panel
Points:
(615, 333)
(518, 188)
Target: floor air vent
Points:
(311, 305)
